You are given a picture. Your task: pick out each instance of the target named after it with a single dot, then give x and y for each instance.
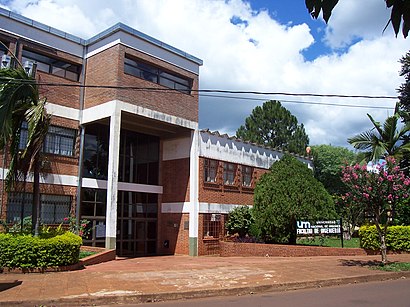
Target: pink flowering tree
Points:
(376, 193)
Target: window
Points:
(211, 169)
(96, 143)
(139, 158)
(229, 173)
(154, 74)
(3, 49)
(93, 208)
(247, 176)
(53, 66)
(212, 225)
(53, 208)
(59, 140)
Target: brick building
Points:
(124, 150)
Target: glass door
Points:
(137, 224)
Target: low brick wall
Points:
(103, 255)
(230, 249)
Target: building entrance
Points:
(137, 215)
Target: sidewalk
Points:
(174, 277)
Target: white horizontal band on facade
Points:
(62, 111)
(102, 48)
(183, 207)
(136, 187)
(107, 109)
(66, 180)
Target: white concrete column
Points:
(193, 194)
(112, 182)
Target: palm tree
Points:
(20, 102)
(383, 140)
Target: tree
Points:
(404, 104)
(399, 10)
(376, 194)
(382, 141)
(239, 221)
(328, 161)
(274, 126)
(404, 89)
(287, 193)
(20, 103)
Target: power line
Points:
(300, 102)
(123, 87)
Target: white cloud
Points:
(352, 19)
(258, 54)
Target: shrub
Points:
(29, 252)
(239, 221)
(397, 238)
(286, 194)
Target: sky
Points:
(265, 46)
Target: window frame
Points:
(142, 69)
(46, 148)
(20, 199)
(247, 174)
(53, 66)
(229, 173)
(211, 165)
(212, 226)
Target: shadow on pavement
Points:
(5, 285)
(361, 263)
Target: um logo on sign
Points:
(302, 224)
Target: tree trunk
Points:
(382, 236)
(383, 248)
(36, 198)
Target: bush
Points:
(397, 238)
(239, 221)
(29, 252)
(286, 194)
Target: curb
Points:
(90, 300)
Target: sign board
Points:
(319, 227)
(100, 230)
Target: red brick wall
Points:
(62, 95)
(229, 249)
(175, 180)
(102, 69)
(227, 194)
(172, 228)
(107, 67)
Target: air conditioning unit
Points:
(5, 61)
(215, 217)
(29, 67)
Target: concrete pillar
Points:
(112, 182)
(193, 194)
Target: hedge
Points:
(29, 252)
(397, 238)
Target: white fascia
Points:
(62, 111)
(106, 109)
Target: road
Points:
(388, 293)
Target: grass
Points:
(394, 267)
(84, 254)
(330, 242)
